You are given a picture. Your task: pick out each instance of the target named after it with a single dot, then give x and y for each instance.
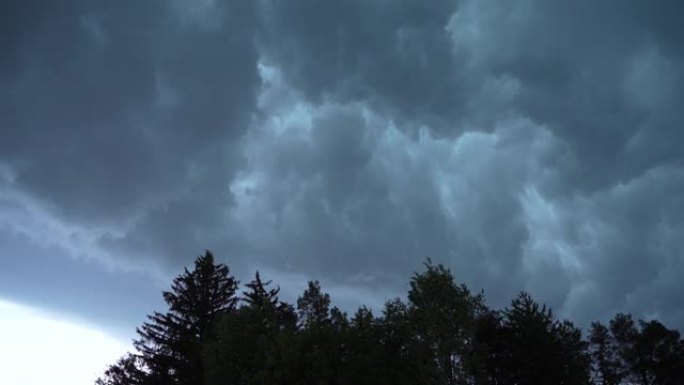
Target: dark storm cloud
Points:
(597, 75)
(386, 53)
(606, 80)
(341, 190)
(126, 113)
(118, 124)
(566, 115)
(529, 146)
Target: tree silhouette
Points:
(242, 338)
(441, 335)
(606, 362)
(170, 344)
(527, 346)
(442, 314)
(649, 354)
(313, 352)
(313, 306)
(126, 371)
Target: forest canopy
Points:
(213, 333)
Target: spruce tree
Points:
(237, 354)
(170, 343)
(126, 371)
(264, 300)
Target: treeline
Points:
(214, 334)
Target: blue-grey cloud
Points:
(529, 146)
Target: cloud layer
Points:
(529, 146)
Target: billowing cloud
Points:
(529, 146)
(125, 116)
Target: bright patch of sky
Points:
(41, 348)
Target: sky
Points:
(531, 145)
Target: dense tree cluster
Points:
(443, 334)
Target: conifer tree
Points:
(237, 354)
(126, 371)
(170, 343)
(442, 335)
(265, 300)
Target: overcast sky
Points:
(530, 145)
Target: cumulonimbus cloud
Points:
(529, 146)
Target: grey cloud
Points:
(629, 244)
(602, 82)
(385, 53)
(574, 63)
(378, 199)
(117, 112)
(530, 145)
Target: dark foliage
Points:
(443, 334)
(170, 344)
(647, 354)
